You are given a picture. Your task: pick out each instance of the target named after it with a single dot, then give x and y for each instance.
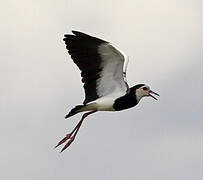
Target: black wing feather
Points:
(83, 49)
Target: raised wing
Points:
(101, 65)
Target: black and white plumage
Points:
(103, 70)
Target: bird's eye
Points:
(145, 88)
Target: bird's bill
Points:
(152, 92)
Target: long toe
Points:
(63, 140)
(68, 143)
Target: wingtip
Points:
(79, 33)
(74, 32)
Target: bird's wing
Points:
(101, 65)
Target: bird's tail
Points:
(74, 111)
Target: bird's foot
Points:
(64, 140)
(68, 143)
(68, 138)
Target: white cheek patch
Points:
(139, 94)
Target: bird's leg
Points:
(71, 136)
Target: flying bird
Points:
(103, 70)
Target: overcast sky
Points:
(156, 140)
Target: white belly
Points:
(102, 104)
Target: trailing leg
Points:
(71, 136)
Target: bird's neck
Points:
(136, 92)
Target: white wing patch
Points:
(111, 81)
(126, 61)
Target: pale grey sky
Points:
(39, 84)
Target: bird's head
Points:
(143, 90)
